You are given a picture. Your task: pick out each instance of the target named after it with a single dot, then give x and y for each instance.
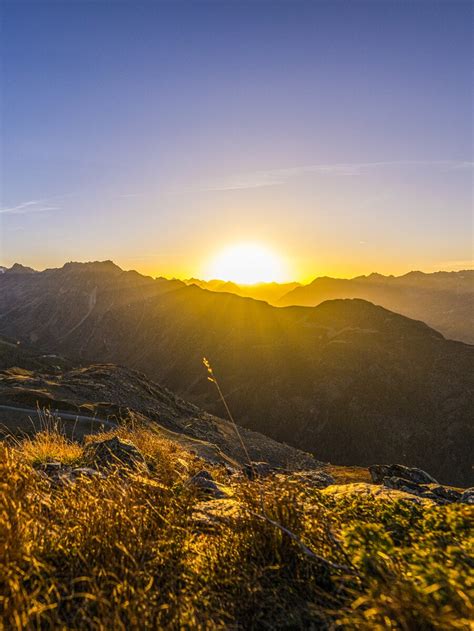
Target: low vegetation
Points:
(126, 550)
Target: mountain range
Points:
(348, 381)
(444, 300)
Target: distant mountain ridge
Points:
(444, 300)
(349, 381)
(270, 292)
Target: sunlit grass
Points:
(123, 551)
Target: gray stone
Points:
(436, 492)
(316, 479)
(468, 496)
(114, 451)
(445, 493)
(205, 484)
(257, 469)
(85, 472)
(380, 471)
(209, 516)
(55, 472)
(403, 485)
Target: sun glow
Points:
(247, 263)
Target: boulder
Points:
(205, 484)
(114, 451)
(380, 471)
(468, 496)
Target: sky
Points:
(339, 134)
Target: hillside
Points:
(444, 300)
(98, 397)
(348, 381)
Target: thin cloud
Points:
(275, 177)
(25, 208)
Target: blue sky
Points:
(155, 133)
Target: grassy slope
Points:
(126, 552)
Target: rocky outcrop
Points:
(415, 482)
(440, 494)
(114, 452)
(88, 399)
(380, 471)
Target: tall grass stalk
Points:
(264, 516)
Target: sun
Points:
(247, 264)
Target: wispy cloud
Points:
(274, 177)
(25, 208)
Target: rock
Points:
(85, 472)
(468, 496)
(445, 493)
(403, 485)
(51, 469)
(207, 486)
(374, 491)
(114, 451)
(258, 469)
(380, 471)
(315, 479)
(436, 492)
(208, 516)
(55, 472)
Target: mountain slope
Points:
(444, 300)
(93, 397)
(351, 382)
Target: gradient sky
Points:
(155, 133)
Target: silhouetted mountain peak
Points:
(92, 266)
(17, 268)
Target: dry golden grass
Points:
(123, 552)
(49, 446)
